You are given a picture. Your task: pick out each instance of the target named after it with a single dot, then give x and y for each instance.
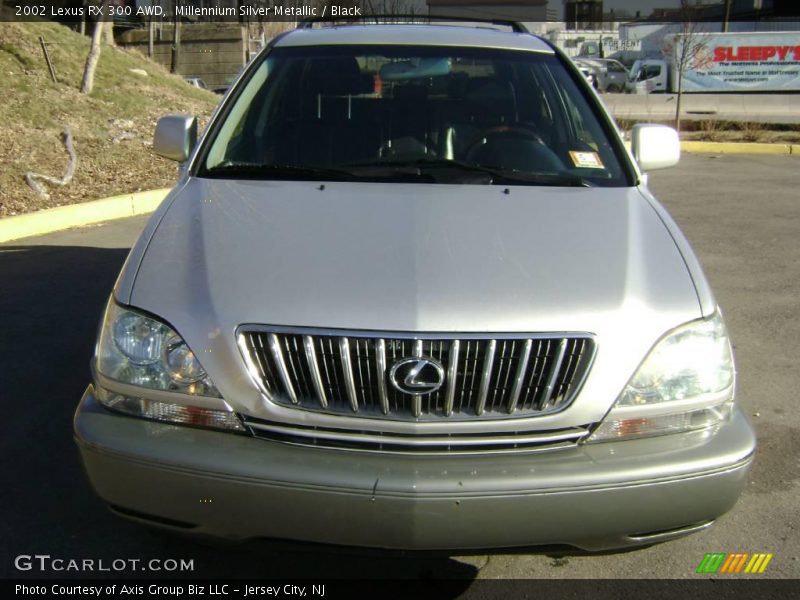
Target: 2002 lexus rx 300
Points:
(411, 291)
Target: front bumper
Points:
(595, 497)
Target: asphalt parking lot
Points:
(741, 213)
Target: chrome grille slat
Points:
(335, 387)
(258, 361)
(488, 362)
(366, 370)
(452, 365)
(358, 375)
(277, 354)
(380, 366)
(347, 372)
(537, 373)
(295, 369)
(471, 366)
(485, 377)
(416, 401)
(554, 371)
(562, 387)
(313, 364)
(505, 360)
(519, 376)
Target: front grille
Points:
(483, 378)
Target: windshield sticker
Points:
(586, 160)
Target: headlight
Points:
(138, 350)
(685, 383)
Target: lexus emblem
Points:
(417, 376)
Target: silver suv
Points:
(411, 291)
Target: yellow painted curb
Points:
(77, 215)
(740, 148)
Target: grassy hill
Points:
(34, 111)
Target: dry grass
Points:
(753, 132)
(35, 110)
(711, 130)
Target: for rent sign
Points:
(746, 63)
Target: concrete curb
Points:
(77, 215)
(740, 148)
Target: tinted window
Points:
(345, 108)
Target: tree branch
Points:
(33, 179)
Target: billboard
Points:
(748, 62)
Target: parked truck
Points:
(607, 75)
(724, 62)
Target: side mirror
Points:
(175, 137)
(655, 147)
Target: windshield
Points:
(402, 113)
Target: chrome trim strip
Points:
(520, 376)
(483, 391)
(347, 369)
(423, 441)
(313, 366)
(380, 361)
(256, 372)
(135, 391)
(283, 373)
(416, 400)
(448, 335)
(671, 534)
(452, 371)
(551, 379)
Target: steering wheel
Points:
(500, 132)
(407, 148)
(518, 147)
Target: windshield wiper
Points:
(245, 170)
(492, 175)
(371, 173)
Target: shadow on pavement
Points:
(51, 298)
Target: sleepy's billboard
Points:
(745, 62)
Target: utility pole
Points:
(727, 16)
(176, 44)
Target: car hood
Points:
(412, 257)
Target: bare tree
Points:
(176, 45)
(94, 51)
(688, 47)
(109, 29)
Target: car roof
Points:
(415, 35)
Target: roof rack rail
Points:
(309, 22)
